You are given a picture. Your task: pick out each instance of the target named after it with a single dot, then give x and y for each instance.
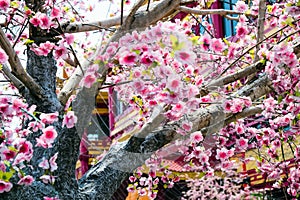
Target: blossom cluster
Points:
(16, 151)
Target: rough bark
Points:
(104, 178)
(43, 70)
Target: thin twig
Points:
(20, 34)
(130, 16)
(115, 84)
(260, 28)
(122, 11)
(195, 18)
(249, 49)
(148, 6)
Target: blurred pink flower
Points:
(3, 56)
(5, 186)
(69, 119)
(26, 180)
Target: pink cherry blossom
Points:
(26, 180)
(44, 164)
(223, 154)
(173, 83)
(203, 158)
(69, 119)
(147, 59)
(197, 136)
(52, 162)
(45, 22)
(44, 49)
(4, 4)
(88, 80)
(242, 143)
(3, 56)
(35, 21)
(21, 157)
(187, 126)
(25, 147)
(128, 58)
(51, 198)
(49, 118)
(205, 42)
(35, 126)
(241, 31)
(217, 45)
(185, 57)
(241, 6)
(49, 133)
(56, 12)
(8, 154)
(60, 51)
(5, 186)
(69, 38)
(47, 138)
(48, 179)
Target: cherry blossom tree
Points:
(204, 97)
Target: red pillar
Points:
(84, 154)
(217, 20)
(111, 110)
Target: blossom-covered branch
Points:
(143, 20)
(17, 68)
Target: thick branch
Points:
(12, 78)
(260, 26)
(90, 26)
(221, 12)
(129, 19)
(232, 77)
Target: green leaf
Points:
(289, 21)
(298, 3)
(225, 52)
(269, 8)
(257, 195)
(14, 4)
(195, 40)
(28, 41)
(226, 42)
(280, 98)
(263, 61)
(161, 44)
(5, 176)
(7, 163)
(12, 148)
(209, 3)
(138, 52)
(1, 67)
(297, 93)
(252, 52)
(175, 43)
